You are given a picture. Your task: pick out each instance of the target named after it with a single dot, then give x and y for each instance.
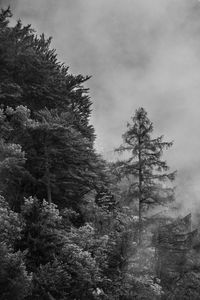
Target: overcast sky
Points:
(139, 53)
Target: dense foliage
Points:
(46, 111)
(67, 230)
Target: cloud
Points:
(140, 53)
(5, 3)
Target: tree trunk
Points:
(47, 176)
(48, 185)
(140, 225)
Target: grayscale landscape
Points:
(99, 149)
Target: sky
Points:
(139, 53)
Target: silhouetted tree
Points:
(46, 111)
(144, 164)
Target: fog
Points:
(139, 53)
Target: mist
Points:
(139, 53)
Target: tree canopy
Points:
(144, 164)
(66, 229)
(46, 111)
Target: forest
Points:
(73, 225)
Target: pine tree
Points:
(144, 166)
(48, 116)
(31, 75)
(57, 162)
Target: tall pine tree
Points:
(145, 165)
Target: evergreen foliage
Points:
(67, 228)
(145, 164)
(15, 282)
(45, 110)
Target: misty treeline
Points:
(72, 225)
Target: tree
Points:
(144, 166)
(46, 111)
(41, 236)
(66, 261)
(57, 162)
(12, 161)
(62, 159)
(31, 75)
(15, 282)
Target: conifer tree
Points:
(46, 110)
(145, 165)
